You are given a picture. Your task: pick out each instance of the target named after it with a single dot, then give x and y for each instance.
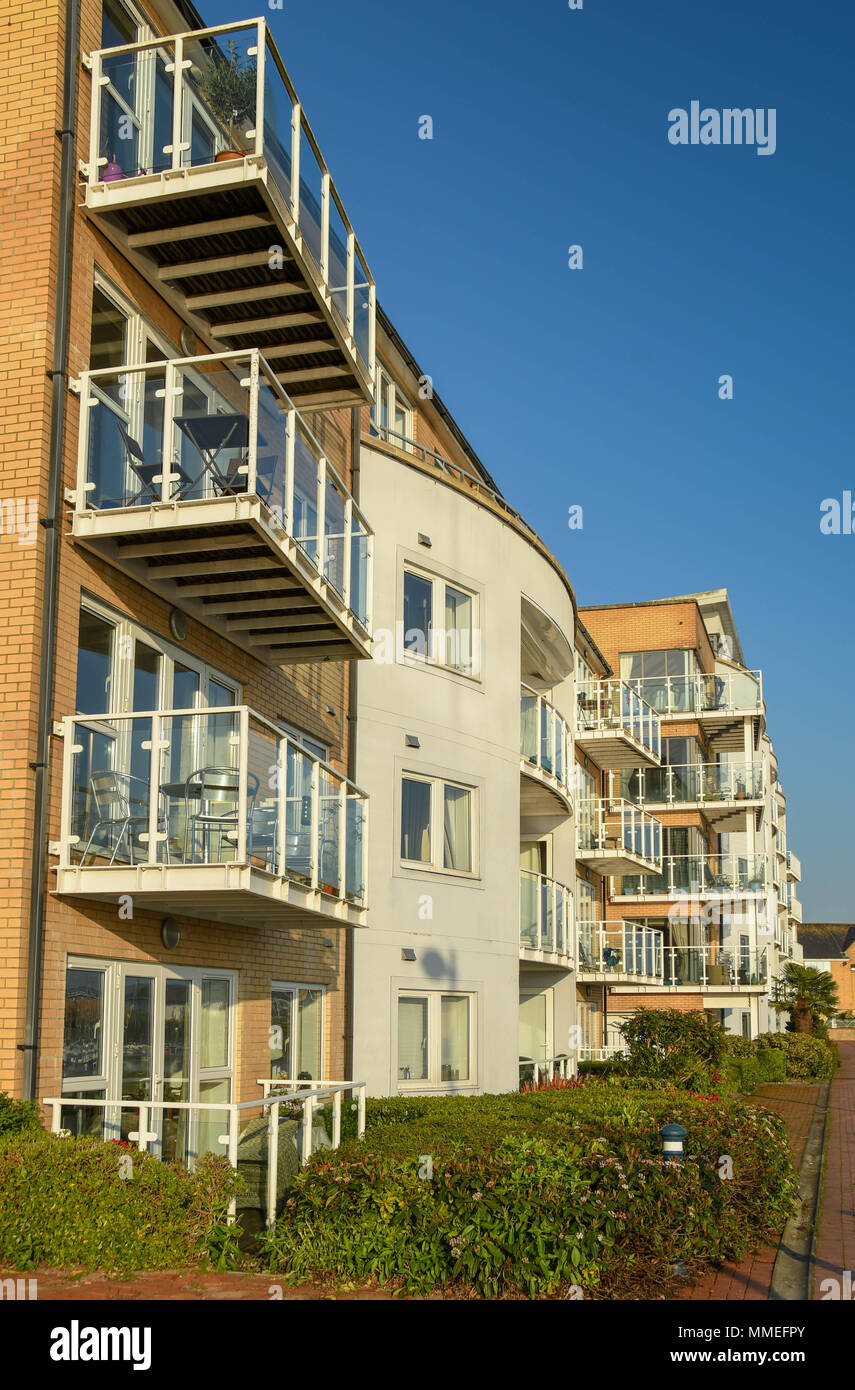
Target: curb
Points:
(792, 1273)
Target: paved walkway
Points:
(752, 1277)
(834, 1252)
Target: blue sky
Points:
(599, 386)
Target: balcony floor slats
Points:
(236, 563)
(196, 246)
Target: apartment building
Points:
(188, 340)
(712, 923)
(465, 749)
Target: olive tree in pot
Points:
(228, 87)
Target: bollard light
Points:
(672, 1142)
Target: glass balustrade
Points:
(545, 738)
(619, 948)
(618, 827)
(705, 693)
(545, 914)
(614, 704)
(700, 874)
(732, 966)
(693, 784)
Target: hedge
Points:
(65, 1203)
(18, 1116)
(533, 1193)
(805, 1057)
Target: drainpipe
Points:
(351, 767)
(51, 523)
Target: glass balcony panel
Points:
(362, 310)
(529, 902)
(334, 533)
(355, 851)
(119, 138)
(299, 849)
(210, 439)
(272, 450)
(558, 745)
(337, 267)
(359, 570)
(546, 916)
(329, 831)
(306, 494)
(126, 439)
(218, 91)
(528, 726)
(310, 196)
(278, 115)
(547, 738)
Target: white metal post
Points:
(315, 785)
(348, 528)
(281, 807)
(325, 228)
(336, 1119)
(290, 446)
(178, 78)
(351, 276)
(360, 1120)
(306, 1148)
(295, 161)
(243, 776)
(272, 1161)
(252, 451)
(260, 63)
(322, 517)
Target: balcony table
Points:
(210, 434)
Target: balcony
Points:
(712, 968)
(720, 701)
(619, 953)
(198, 478)
(209, 813)
(615, 837)
(723, 791)
(794, 867)
(615, 727)
(546, 757)
(546, 916)
(794, 906)
(699, 875)
(204, 172)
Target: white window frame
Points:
(294, 986)
(114, 971)
(436, 647)
(434, 1081)
(398, 400)
(436, 864)
(311, 744)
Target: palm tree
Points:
(809, 996)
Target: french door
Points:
(168, 1036)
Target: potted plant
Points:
(228, 87)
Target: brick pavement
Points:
(835, 1241)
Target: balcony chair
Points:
(147, 472)
(217, 790)
(121, 802)
(233, 483)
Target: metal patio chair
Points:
(217, 790)
(146, 472)
(122, 804)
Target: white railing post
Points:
(55, 1116)
(243, 774)
(322, 516)
(252, 449)
(177, 112)
(360, 1114)
(98, 81)
(282, 807)
(325, 228)
(336, 1119)
(260, 64)
(290, 446)
(315, 817)
(348, 541)
(272, 1162)
(342, 837)
(351, 260)
(295, 161)
(233, 1151)
(306, 1153)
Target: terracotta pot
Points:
(228, 154)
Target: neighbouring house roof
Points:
(826, 940)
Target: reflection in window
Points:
(84, 1016)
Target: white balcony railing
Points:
(719, 693)
(545, 740)
(214, 108)
(613, 705)
(546, 914)
(183, 1131)
(217, 802)
(734, 967)
(613, 950)
(697, 784)
(698, 874)
(545, 1068)
(215, 441)
(617, 830)
(794, 866)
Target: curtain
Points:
(415, 820)
(454, 1035)
(412, 1038)
(457, 830)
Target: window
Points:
(440, 624)
(437, 827)
(296, 1031)
(435, 1039)
(139, 1032)
(392, 412)
(307, 741)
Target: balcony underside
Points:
(202, 236)
(224, 562)
(721, 996)
(616, 860)
(724, 815)
(234, 893)
(541, 795)
(614, 748)
(724, 727)
(530, 955)
(588, 976)
(685, 898)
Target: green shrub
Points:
(18, 1116)
(686, 1048)
(64, 1203)
(533, 1192)
(806, 1056)
(747, 1072)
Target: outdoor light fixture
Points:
(424, 540)
(170, 933)
(187, 338)
(328, 941)
(411, 741)
(407, 953)
(672, 1142)
(178, 624)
